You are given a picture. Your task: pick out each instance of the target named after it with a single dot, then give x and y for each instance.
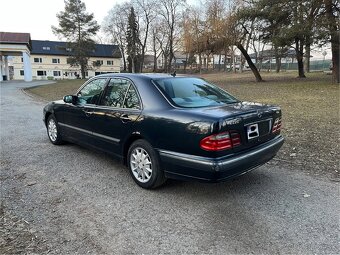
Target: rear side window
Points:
(193, 92)
(131, 99)
(120, 93)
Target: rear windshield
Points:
(193, 92)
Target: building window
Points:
(99, 62)
(68, 49)
(46, 48)
(22, 60)
(22, 73)
(55, 60)
(56, 73)
(37, 60)
(41, 73)
(109, 62)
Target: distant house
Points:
(148, 61)
(49, 60)
(267, 56)
(180, 59)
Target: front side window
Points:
(37, 60)
(91, 92)
(55, 60)
(193, 92)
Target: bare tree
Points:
(170, 11)
(115, 27)
(146, 11)
(194, 37)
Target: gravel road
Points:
(72, 200)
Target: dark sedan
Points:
(167, 127)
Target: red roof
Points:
(17, 38)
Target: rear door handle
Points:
(125, 118)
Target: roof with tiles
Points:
(60, 48)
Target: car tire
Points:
(143, 164)
(53, 131)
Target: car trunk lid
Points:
(252, 121)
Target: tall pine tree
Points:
(133, 42)
(77, 27)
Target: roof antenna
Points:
(174, 74)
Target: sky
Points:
(37, 16)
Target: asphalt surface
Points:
(81, 201)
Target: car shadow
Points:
(258, 179)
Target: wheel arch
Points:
(132, 138)
(47, 115)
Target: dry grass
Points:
(310, 110)
(56, 90)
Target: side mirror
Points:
(70, 99)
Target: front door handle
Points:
(125, 118)
(88, 113)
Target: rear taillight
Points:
(235, 138)
(277, 125)
(221, 141)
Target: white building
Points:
(35, 59)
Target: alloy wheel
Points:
(52, 130)
(141, 165)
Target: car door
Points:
(115, 115)
(77, 121)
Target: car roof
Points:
(141, 75)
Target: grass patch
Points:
(56, 90)
(310, 112)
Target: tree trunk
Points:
(299, 57)
(186, 62)
(335, 56)
(278, 64)
(225, 61)
(144, 44)
(219, 62)
(165, 63)
(133, 67)
(334, 40)
(154, 52)
(154, 62)
(82, 68)
(307, 58)
(142, 61)
(124, 60)
(200, 62)
(233, 56)
(250, 63)
(277, 59)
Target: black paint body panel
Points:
(171, 131)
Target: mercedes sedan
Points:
(162, 126)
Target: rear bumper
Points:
(186, 166)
